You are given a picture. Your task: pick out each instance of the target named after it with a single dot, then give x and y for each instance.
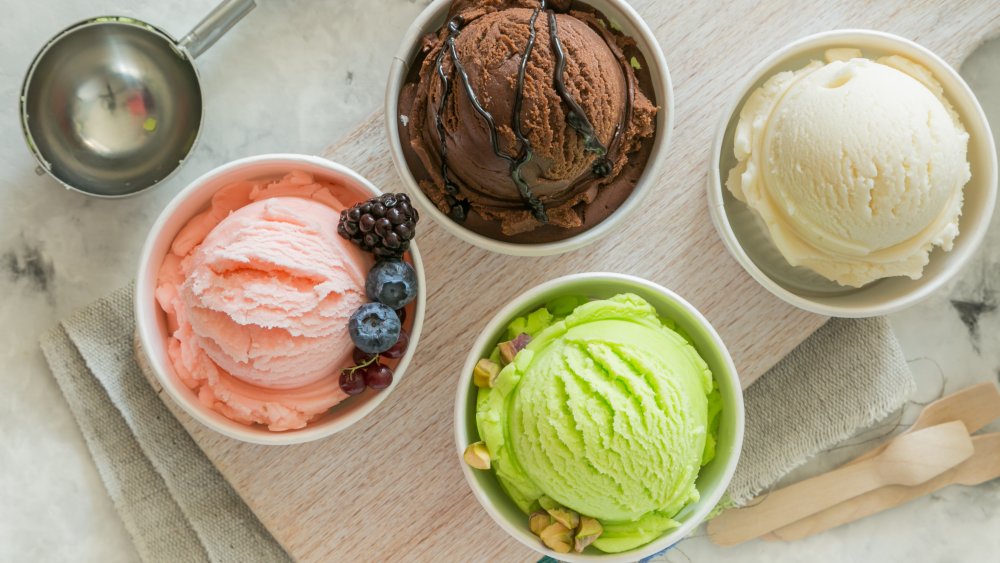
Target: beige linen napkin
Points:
(177, 507)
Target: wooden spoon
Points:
(909, 459)
(976, 406)
(983, 466)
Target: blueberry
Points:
(392, 283)
(374, 328)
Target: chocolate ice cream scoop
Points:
(522, 113)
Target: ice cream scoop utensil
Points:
(910, 459)
(983, 466)
(976, 406)
(112, 105)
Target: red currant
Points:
(378, 376)
(399, 348)
(352, 382)
(361, 357)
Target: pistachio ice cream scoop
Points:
(608, 411)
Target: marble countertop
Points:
(59, 250)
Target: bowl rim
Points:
(517, 306)
(146, 312)
(648, 180)
(715, 186)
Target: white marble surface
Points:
(59, 250)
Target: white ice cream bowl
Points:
(713, 478)
(748, 241)
(151, 321)
(633, 26)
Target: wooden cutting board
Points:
(390, 488)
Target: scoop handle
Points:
(215, 25)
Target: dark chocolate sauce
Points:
(576, 117)
(456, 210)
(538, 210)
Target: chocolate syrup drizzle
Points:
(537, 209)
(576, 117)
(456, 210)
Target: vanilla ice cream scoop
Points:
(856, 166)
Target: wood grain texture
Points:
(390, 488)
(983, 466)
(975, 406)
(910, 459)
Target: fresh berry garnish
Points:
(401, 313)
(399, 348)
(378, 376)
(384, 225)
(352, 381)
(392, 283)
(361, 357)
(374, 328)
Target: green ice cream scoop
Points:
(609, 411)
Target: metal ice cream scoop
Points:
(112, 106)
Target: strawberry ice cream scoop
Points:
(270, 291)
(258, 291)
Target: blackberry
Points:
(383, 225)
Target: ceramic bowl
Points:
(748, 241)
(713, 478)
(619, 12)
(151, 321)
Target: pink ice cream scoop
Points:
(258, 291)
